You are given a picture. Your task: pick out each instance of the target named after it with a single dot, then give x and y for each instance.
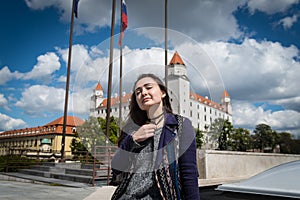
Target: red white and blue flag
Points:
(124, 20)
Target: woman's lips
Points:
(146, 99)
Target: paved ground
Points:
(12, 190)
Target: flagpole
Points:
(110, 69)
(166, 43)
(121, 73)
(62, 152)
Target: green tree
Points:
(79, 151)
(220, 132)
(285, 142)
(264, 137)
(91, 134)
(295, 147)
(76, 145)
(113, 128)
(199, 138)
(241, 139)
(215, 130)
(225, 135)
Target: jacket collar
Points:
(171, 120)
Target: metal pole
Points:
(166, 43)
(62, 152)
(111, 54)
(121, 74)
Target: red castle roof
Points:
(176, 60)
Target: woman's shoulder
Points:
(181, 117)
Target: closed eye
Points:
(147, 86)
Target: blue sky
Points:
(251, 48)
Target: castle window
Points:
(204, 117)
(191, 113)
(204, 108)
(191, 104)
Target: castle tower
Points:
(96, 98)
(179, 85)
(225, 102)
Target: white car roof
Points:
(282, 180)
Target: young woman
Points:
(157, 149)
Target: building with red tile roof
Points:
(43, 141)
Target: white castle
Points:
(200, 110)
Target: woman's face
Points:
(147, 93)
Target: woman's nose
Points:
(144, 91)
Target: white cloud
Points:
(62, 79)
(86, 66)
(39, 99)
(40, 5)
(92, 14)
(46, 65)
(257, 71)
(42, 100)
(289, 103)
(208, 15)
(80, 56)
(203, 20)
(6, 75)
(80, 101)
(3, 102)
(270, 7)
(9, 123)
(247, 115)
(288, 22)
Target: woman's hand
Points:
(146, 131)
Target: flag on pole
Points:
(76, 8)
(124, 20)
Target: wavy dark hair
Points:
(139, 116)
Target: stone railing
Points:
(232, 165)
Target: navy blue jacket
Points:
(187, 163)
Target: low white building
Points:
(200, 110)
